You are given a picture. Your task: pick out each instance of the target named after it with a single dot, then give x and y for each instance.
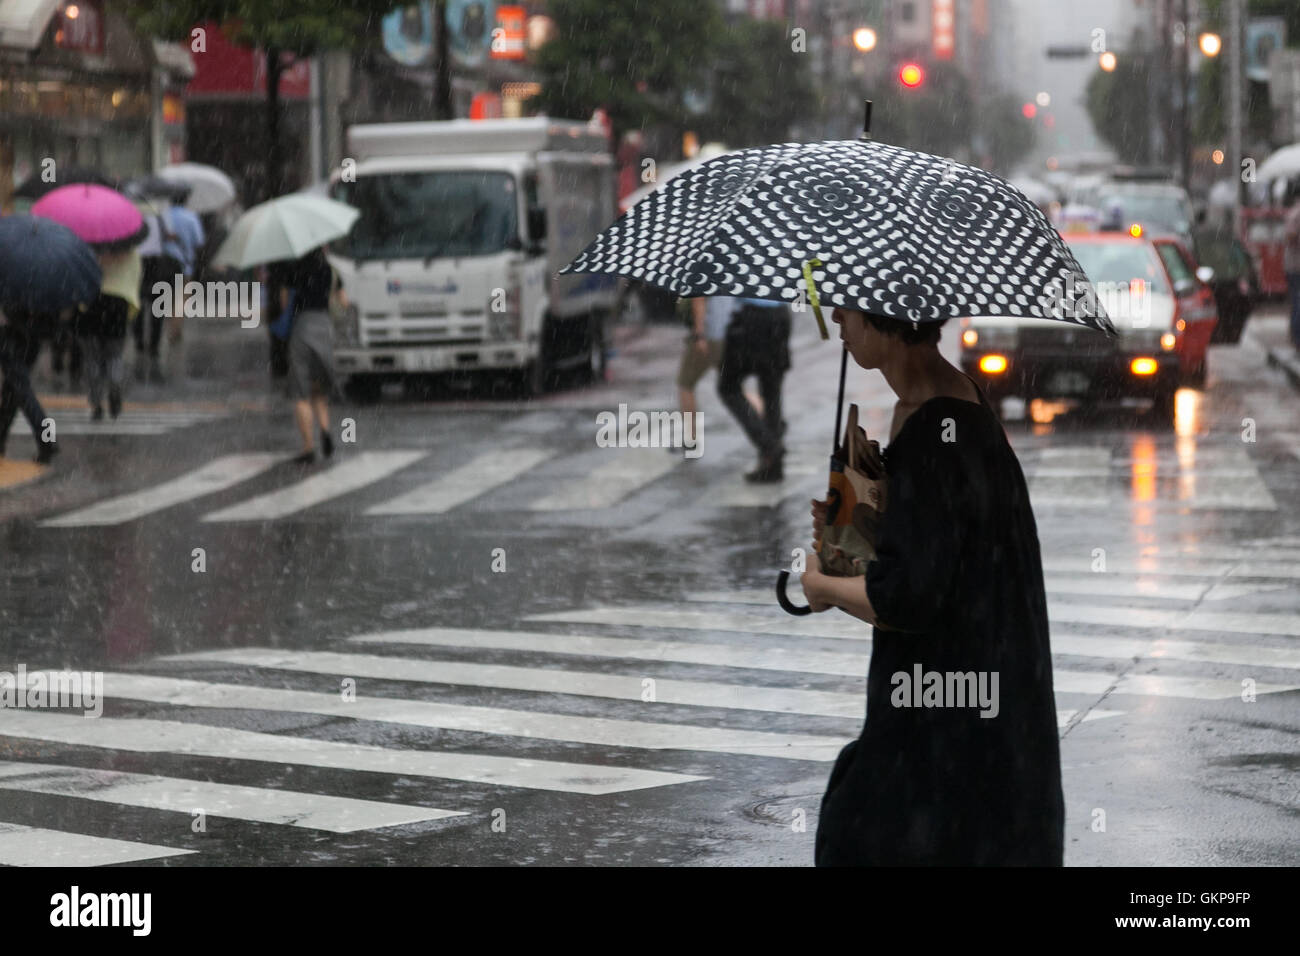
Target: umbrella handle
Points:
(783, 599)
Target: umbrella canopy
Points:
(666, 173)
(881, 229)
(285, 228)
(156, 187)
(44, 266)
(101, 216)
(1283, 164)
(210, 188)
(34, 187)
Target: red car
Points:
(1164, 313)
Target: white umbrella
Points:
(210, 188)
(1282, 164)
(284, 228)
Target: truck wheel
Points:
(538, 374)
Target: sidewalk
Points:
(1267, 327)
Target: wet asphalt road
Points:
(352, 678)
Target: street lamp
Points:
(1107, 61)
(864, 38)
(1211, 44)
(1043, 99)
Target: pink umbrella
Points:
(98, 215)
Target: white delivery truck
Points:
(452, 264)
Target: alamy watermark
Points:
(1125, 303)
(81, 690)
(212, 300)
(923, 688)
(657, 429)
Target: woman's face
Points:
(867, 345)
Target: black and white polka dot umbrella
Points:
(897, 233)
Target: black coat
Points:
(959, 579)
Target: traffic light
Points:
(911, 75)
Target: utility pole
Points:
(1234, 103)
(442, 108)
(1184, 94)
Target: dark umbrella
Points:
(851, 223)
(34, 187)
(44, 266)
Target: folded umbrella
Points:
(285, 228)
(44, 266)
(102, 217)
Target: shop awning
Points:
(23, 22)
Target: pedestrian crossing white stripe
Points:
(257, 804)
(484, 720)
(612, 686)
(609, 483)
(166, 736)
(348, 475)
(793, 660)
(813, 662)
(644, 615)
(1157, 685)
(215, 476)
(1235, 622)
(630, 687)
(1068, 475)
(476, 477)
(36, 846)
(1058, 612)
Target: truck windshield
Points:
(421, 215)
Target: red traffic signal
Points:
(911, 75)
(1029, 110)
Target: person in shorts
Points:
(709, 319)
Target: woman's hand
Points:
(819, 510)
(812, 582)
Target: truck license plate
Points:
(1068, 383)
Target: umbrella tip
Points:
(866, 120)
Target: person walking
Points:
(102, 329)
(1291, 262)
(307, 286)
(757, 342)
(158, 264)
(703, 351)
(20, 344)
(944, 777)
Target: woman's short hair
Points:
(925, 333)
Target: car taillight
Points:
(1143, 366)
(993, 364)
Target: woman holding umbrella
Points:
(958, 761)
(956, 589)
(290, 234)
(307, 285)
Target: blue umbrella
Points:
(44, 266)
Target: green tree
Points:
(296, 28)
(1118, 103)
(633, 58)
(759, 88)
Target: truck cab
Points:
(451, 265)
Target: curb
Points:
(1288, 360)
